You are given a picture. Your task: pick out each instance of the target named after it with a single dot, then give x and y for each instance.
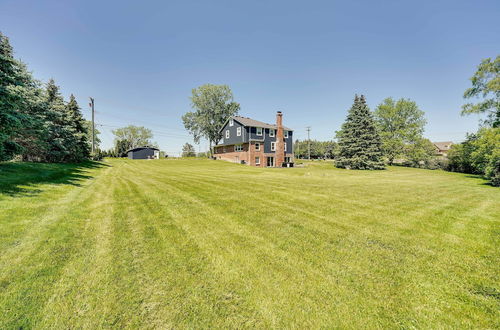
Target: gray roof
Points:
(255, 123)
(137, 148)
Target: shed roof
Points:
(139, 148)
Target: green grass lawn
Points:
(199, 243)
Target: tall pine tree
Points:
(359, 142)
(58, 126)
(11, 120)
(77, 145)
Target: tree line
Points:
(393, 133)
(480, 152)
(36, 123)
(369, 140)
(397, 125)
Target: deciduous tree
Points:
(188, 150)
(401, 125)
(132, 137)
(212, 105)
(485, 85)
(478, 154)
(419, 152)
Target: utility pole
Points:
(93, 124)
(308, 143)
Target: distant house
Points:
(442, 148)
(143, 153)
(255, 143)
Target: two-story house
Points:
(252, 142)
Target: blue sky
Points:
(140, 59)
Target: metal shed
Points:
(143, 153)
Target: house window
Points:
(286, 134)
(273, 146)
(285, 146)
(257, 147)
(223, 149)
(257, 160)
(231, 122)
(259, 131)
(238, 131)
(271, 132)
(238, 147)
(288, 159)
(227, 134)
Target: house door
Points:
(237, 159)
(270, 161)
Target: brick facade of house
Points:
(254, 143)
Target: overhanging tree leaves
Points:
(213, 104)
(486, 85)
(358, 140)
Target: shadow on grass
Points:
(18, 179)
(481, 179)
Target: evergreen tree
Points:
(58, 126)
(33, 137)
(10, 118)
(121, 147)
(77, 145)
(359, 142)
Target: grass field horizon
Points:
(190, 243)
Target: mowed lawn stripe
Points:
(204, 292)
(198, 243)
(33, 266)
(194, 191)
(233, 245)
(83, 290)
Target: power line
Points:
(126, 106)
(128, 119)
(161, 133)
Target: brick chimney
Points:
(280, 141)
